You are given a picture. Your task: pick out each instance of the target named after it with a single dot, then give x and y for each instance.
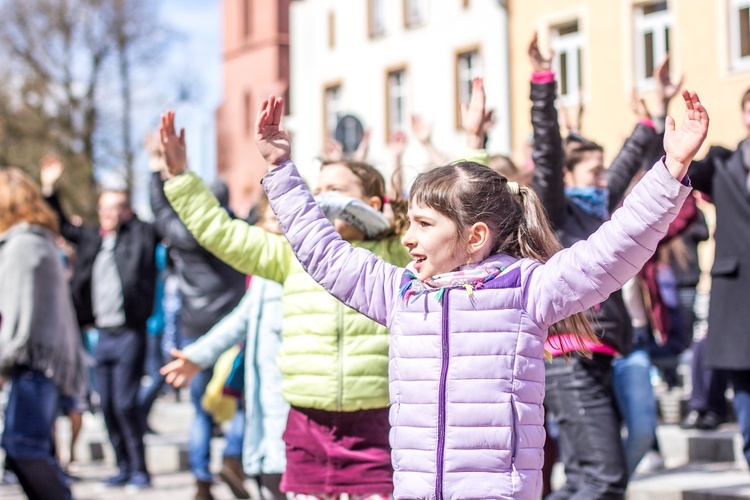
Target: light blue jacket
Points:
(257, 322)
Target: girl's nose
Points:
(407, 239)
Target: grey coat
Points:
(38, 327)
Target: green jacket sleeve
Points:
(480, 156)
(247, 248)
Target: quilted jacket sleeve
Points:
(548, 152)
(585, 274)
(249, 249)
(353, 275)
(230, 331)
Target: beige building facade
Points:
(606, 48)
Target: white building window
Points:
(376, 17)
(396, 112)
(468, 67)
(415, 13)
(331, 109)
(567, 42)
(652, 24)
(739, 34)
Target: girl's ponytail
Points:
(468, 193)
(535, 239)
(400, 222)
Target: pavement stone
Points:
(683, 478)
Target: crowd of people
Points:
(452, 339)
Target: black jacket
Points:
(135, 258)
(210, 288)
(722, 175)
(609, 319)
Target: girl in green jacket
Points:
(334, 361)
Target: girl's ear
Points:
(375, 202)
(479, 241)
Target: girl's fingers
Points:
(279, 110)
(686, 98)
(260, 121)
(669, 124)
(271, 109)
(162, 131)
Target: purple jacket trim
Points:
(445, 334)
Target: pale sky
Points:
(193, 60)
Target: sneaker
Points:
(691, 420)
(652, 461)
(709, 421)
(138, 481)
(119, 480)
(9, 477)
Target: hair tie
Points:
(386, 199)
(514, 188)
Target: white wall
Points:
(361, 63)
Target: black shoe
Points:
(691, 420)
(139, 481)
(709, 421)
(120, 479)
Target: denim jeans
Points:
(579, 396)
(234, 434)
(27, 439)
(199, 440)
(635, 399)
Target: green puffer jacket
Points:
(332, 358)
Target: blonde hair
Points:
(21, 201)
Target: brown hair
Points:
(576, 148)
(468, 193)
(745, 98)
(373, 184)
(21, 201)
(504, 166)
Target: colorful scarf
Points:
(591, 199)
(469, 279)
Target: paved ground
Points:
(171, 419)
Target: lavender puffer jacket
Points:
(467, 374)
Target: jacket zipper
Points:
(513, 434)
(340, 335)
(441, 396)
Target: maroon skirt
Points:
(337, 452)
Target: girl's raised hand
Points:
(681, 144)
(175, 152)
(181, 371)
(272, 140)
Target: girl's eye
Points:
(424, 224)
